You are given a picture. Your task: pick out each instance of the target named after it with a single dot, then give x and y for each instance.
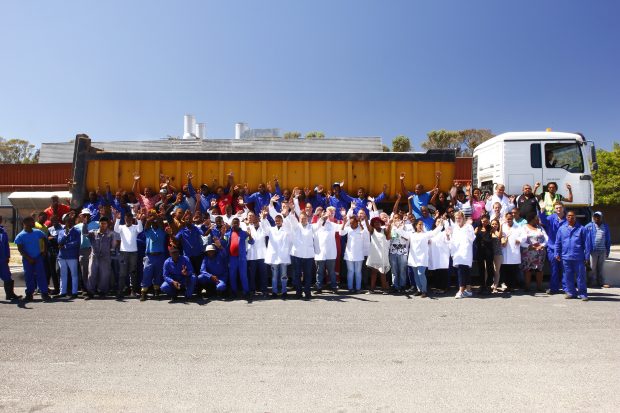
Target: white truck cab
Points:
(518, 158)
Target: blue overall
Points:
(238, 265)
(571, 247)
(33, 273)
(172, 272)
(214, 266)
(155, 255)
(5, 254)
(552, 224)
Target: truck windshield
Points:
(564, 155)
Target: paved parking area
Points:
(336, 353)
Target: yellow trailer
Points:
(368, 170)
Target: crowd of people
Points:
(227, 241)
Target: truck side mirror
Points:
(595, 166)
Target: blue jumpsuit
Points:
(172, 272)
(33, 273)
(154, 258)
(238, 264)
(217, 266)
(572, 248)
(5, 254)
(552, 224)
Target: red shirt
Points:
(62, 209)
(234, 244)
(223, 201)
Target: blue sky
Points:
(131, 69)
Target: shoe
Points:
(274, 295)
(284, 295)
(370, 292)
(74, 296)
(143, 296)
(467, 294)
(423, 295)
(89, 296)
(384, 292)
(549, 292)
(8, 290)
(334, 290)
(459, 295)
(46, 297)
(605, 286)
(417, 294)
(583, 297)
(61, 296)
(298, 295)
(307, 296)
(318, 291)
(568, 296)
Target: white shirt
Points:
(129, 235)
(512, 250)
(504, 200)
(419, 248)
(461, 244)
(354, 251)
(256, 251)
(279, 249)
(439, 252)
(325, 237)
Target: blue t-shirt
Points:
(418, 201)
(30, 242)
(92, 225)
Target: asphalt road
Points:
(335, 353)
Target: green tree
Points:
(292, 135)
(470, 138)
(315, 135)
(386, 148)
(606, 183)
(401, 143)
(441, 139)
(17, 151)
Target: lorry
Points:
(517, 158)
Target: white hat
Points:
(85, 211)
(211, 247)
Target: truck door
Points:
(564, 165)
(523, 165)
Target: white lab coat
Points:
(325, 238)
(354, 251)
(439, 252)
(279, 249)
(419, 248)
(303, 238)
(512, 251)
(461, 244)
(256, 251)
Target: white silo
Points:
(201, 130)
(240, 127)
(189, 126)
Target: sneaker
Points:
(61, 296)
(459, 295)
(468, 294)
(46, 297)
(550, 292)
(583, 297)
(417, 293)
(568, 296)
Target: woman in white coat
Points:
(257, 271)
(461, 236)
(512, 237)
(326, 250)
(353, 252)
(439, 259)
(278, 252)
(379, 254)
(419, 254)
